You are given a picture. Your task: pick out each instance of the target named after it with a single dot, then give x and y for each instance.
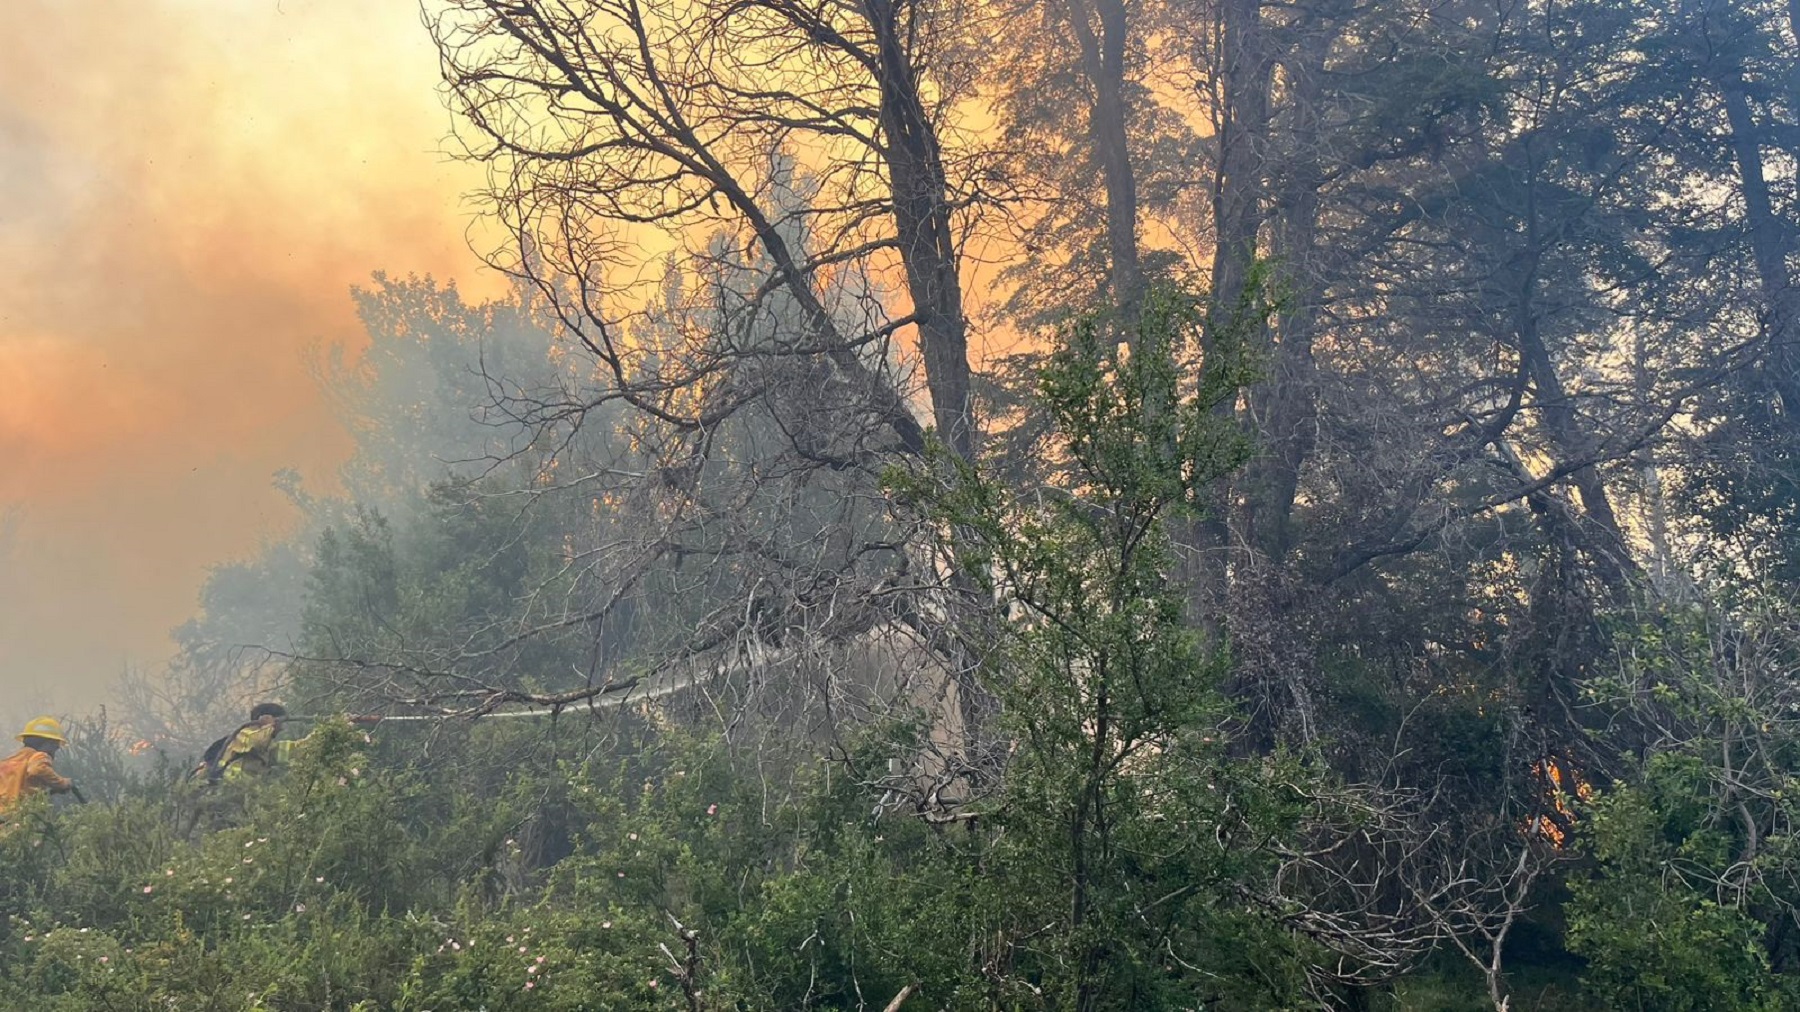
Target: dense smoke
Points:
(187, 194)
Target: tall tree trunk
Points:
(1102, 28)
(1244, 68)
(928, 252)
(1771, 239)
(924, 229)
(1284, 407)
(1241, 67)
(1601, 537)
(1770, 243)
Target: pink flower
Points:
(530, 984)
(149, 889)
(712, 809)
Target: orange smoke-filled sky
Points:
(188, 190)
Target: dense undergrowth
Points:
(655, 874)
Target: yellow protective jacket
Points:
(26, 772)
(254, 749)
(251, 750)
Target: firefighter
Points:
(252, 748)
(30, 770)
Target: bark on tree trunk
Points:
(1769, 244)
(923, 226)
(1103, 53)
(1602, 540)
(1284, 406)
(1242, 66)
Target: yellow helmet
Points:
(44, 727)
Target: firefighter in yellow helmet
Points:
(29, 770)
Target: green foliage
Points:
(1652, 939)
(1693, 858)
(1125, 830)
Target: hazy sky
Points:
(188, 188)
